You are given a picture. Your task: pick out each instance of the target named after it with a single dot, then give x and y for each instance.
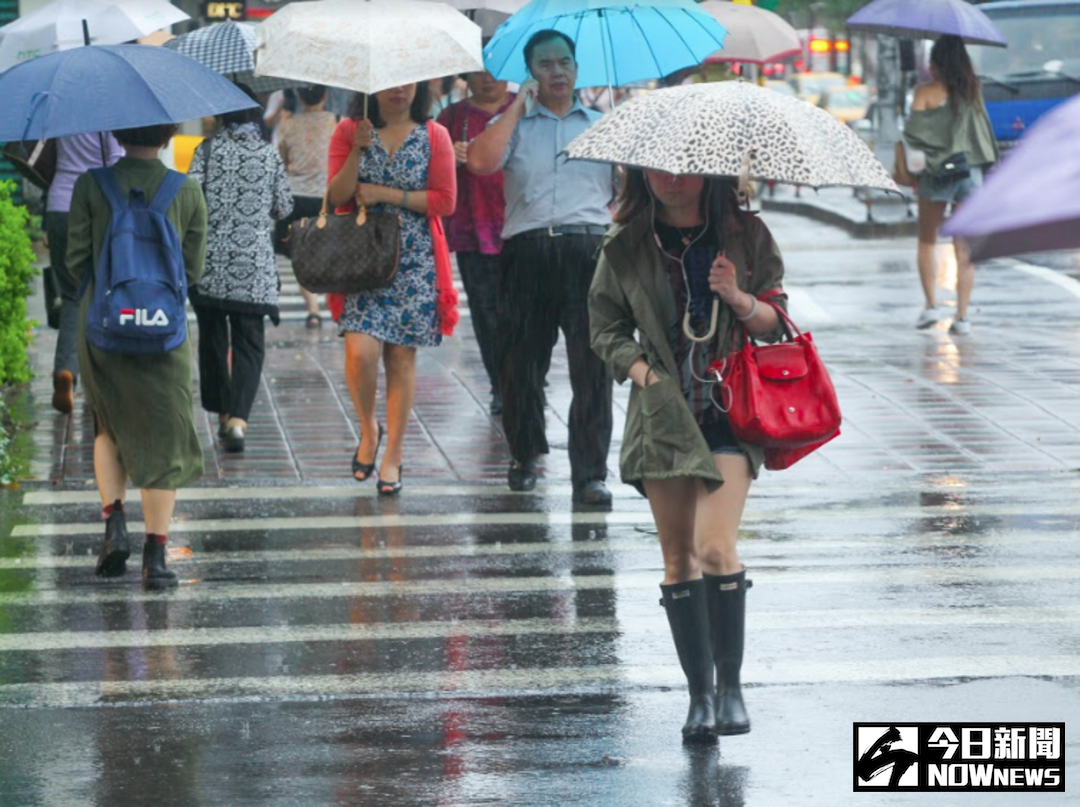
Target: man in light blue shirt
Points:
(556, 217)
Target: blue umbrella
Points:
(102, 88)
(617, 43)
(927, 19)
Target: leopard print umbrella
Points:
(733, 129)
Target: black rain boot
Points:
(154, 573)
(688, 618)
(726, 596)
(116, 548)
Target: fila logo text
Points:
(140, 316)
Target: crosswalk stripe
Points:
(287, 634)
(751, 548)
(346, 522)
(197, 591)
(812, 514)
(522, 681)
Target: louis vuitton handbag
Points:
(348, 252)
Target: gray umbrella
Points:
(732, 129)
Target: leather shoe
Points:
(63, 397)
(522, 475)
(593, 492)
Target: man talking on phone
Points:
(556, 217)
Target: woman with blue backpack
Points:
(136, 242)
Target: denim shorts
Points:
(718, 434)
(949, 192)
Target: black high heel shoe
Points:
(391, 488)
(366, 468)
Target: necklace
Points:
(688, 234)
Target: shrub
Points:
(16, 273)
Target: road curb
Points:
(858, 229)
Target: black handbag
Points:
(953, 169)
(34, 160)
(346, 253)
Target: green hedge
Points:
(16, 273)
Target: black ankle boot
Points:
(726, 597)
(116, 548)
(154, 573)
(689, 621)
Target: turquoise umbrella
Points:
(617, 43)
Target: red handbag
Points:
(780, 396)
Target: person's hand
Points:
(526, 94)
(369, 194)
(362, 138)
(461, 152)
(723, 280)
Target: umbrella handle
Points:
(688, 329)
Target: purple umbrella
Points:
(927, 19)
(1031, 203)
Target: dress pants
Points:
(65, 358)
(480, 276)
(224, 392)
(544, 287)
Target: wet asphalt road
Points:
(464, 645)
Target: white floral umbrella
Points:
(367, 45)
(65, 24)
(732, 129)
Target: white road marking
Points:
(1049, 275)
(487, 683)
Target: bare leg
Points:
(931, 215)
(109, 471)
(672, 502)
(716, 524)
(400, 363)
(311, 300)
(965, 277)
(158, 506)
(362, 376)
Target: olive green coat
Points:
(143, 402)
(631, 306)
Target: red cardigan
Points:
(441, 199)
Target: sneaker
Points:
(960, 327)
(928, 317)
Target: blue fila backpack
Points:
(140, 286)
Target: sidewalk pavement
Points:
(1001, 400)
(861, 213)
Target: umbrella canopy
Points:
(59, 26)
(488, 14)
(228, 48)
(109, 87)
(1031, 202)
(755, 35)
(927, 19)
(617, 43)
(362, 44)
(734, 129)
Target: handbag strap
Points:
(769, 298)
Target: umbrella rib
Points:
(652, 53)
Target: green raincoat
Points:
(143, 402)
(631, 307)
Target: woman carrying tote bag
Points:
(395, 161)
(678, 241)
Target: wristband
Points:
(405, 201)
(750, 316)
(648, 373)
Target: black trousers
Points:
(480, 276)
(223, 391)
(544, 287)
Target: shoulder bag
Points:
(346, 253)
(36, 161)
(780, 396)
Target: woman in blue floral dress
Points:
(394, 162)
